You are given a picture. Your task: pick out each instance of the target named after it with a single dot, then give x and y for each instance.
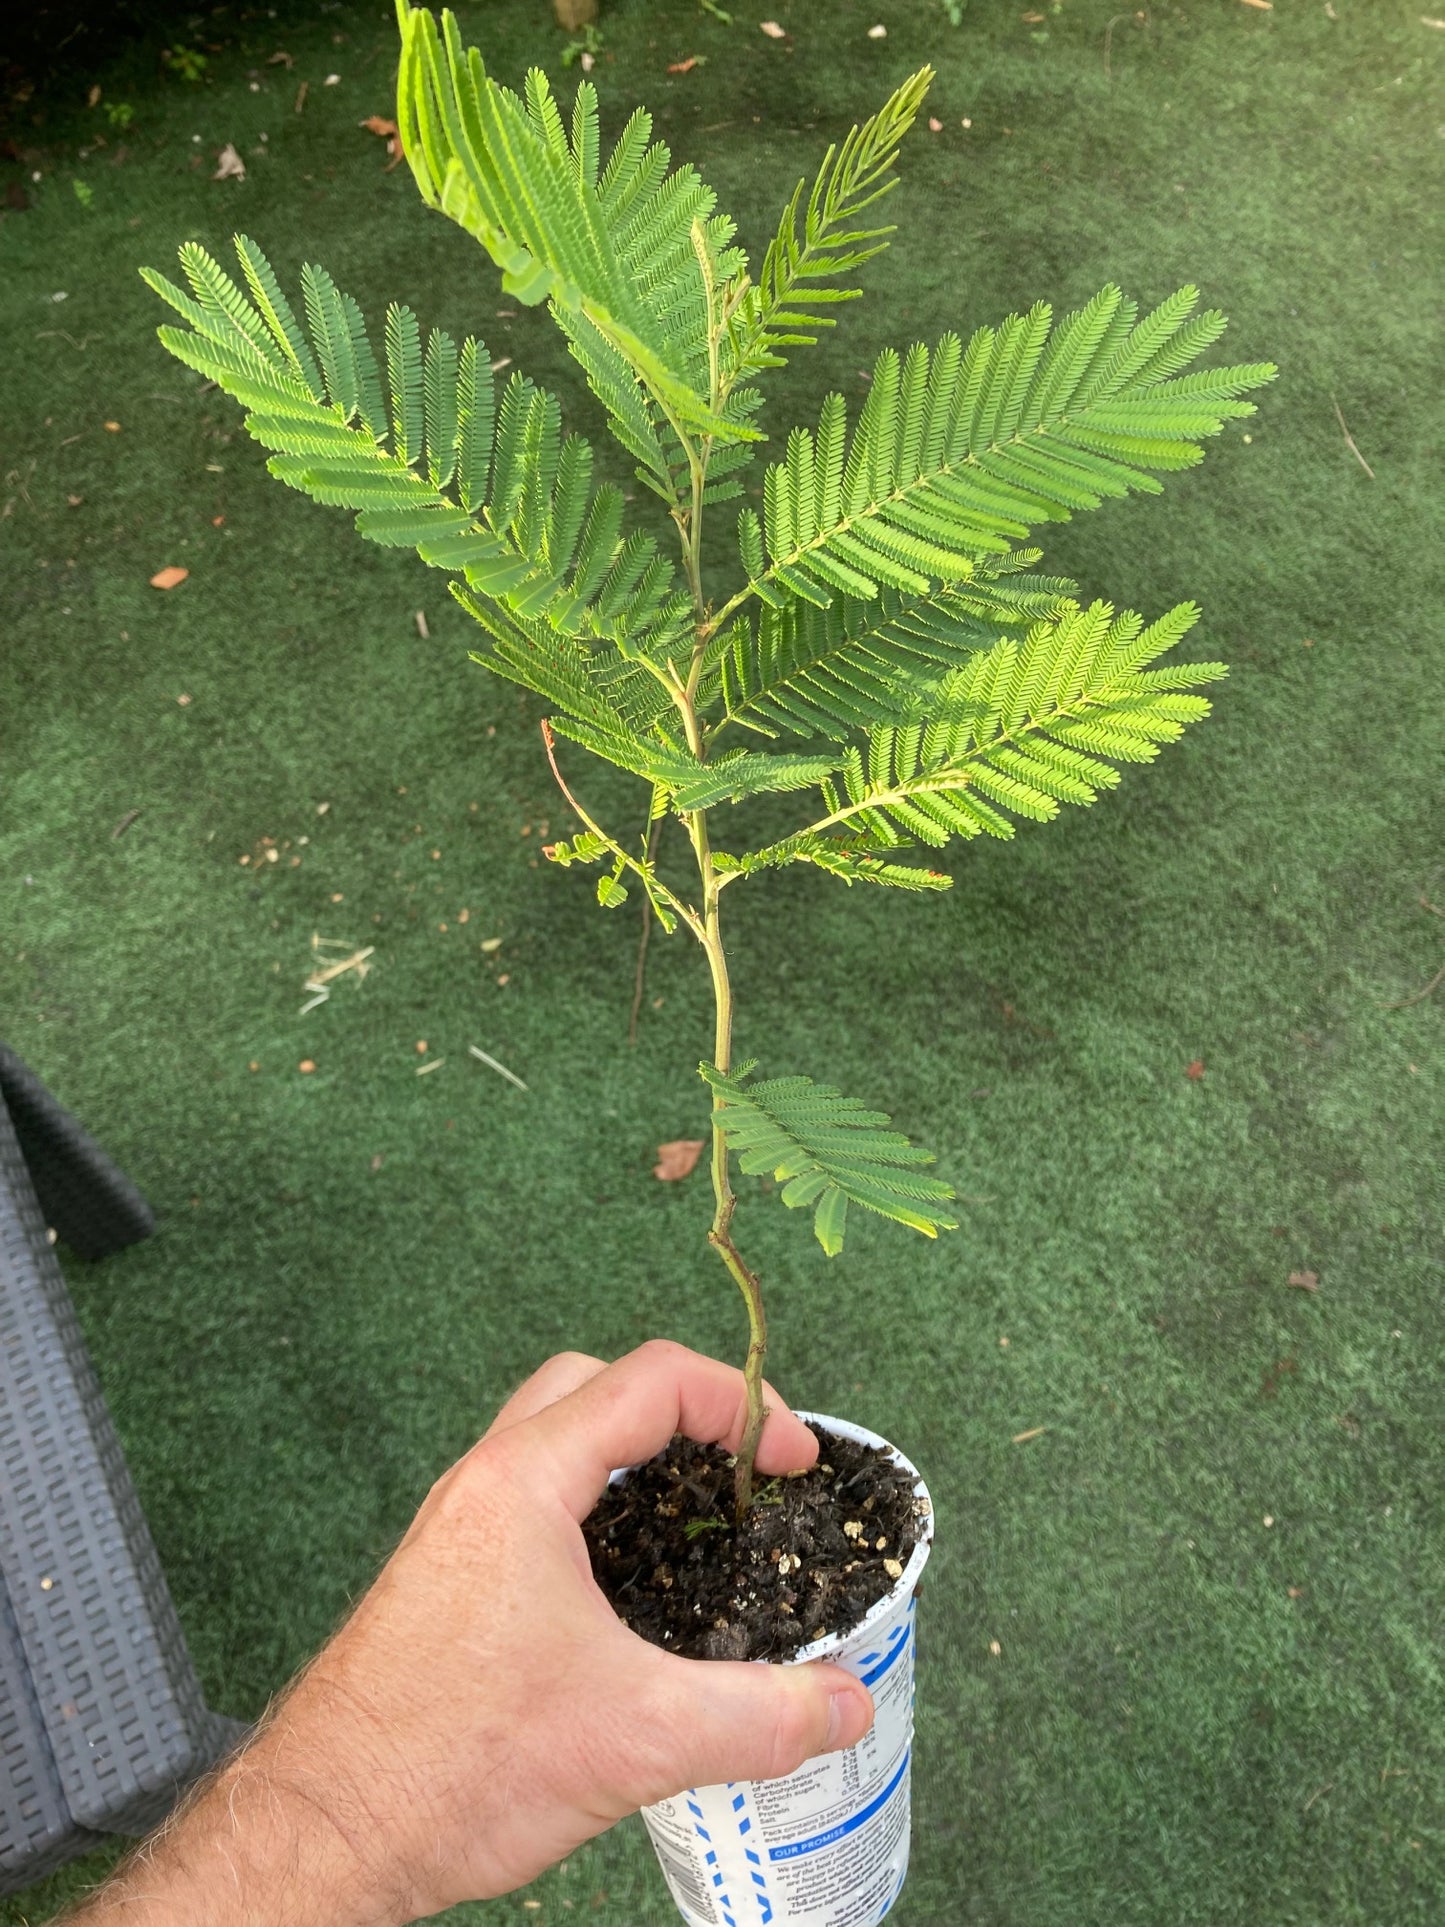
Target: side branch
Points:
(650, 883)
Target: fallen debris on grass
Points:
(320, 980)
(492, 1064)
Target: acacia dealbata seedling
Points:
(890, 653)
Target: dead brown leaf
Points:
(169, 578)
(683, 66)
(1195, 1070)
(281, 59)
(92, 99)
(386, 129)
(1304, 1280)
(677, 1159)
(230, 166)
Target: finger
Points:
(735, 1721)
(559, 1377)
(628, 1412)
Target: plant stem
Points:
(689, 525)
(720, 1234)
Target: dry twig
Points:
(1403, 1003)
(492, 1064)
(1351, 440)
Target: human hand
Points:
(484, 1711)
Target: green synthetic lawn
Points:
(1181, 1657)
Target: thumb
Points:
(744, 1721)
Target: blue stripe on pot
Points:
(754, 1859)
(841, 1831)
(898, 1646)
(711, 1857)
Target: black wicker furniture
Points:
(102, 1722)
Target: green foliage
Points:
(778, 312)
(959, 452)
(688, 784)
(807, 671)
(890, 623)
(827, 1151)
(585, 848)
(611, 246)
(430, 458)
(189, 62)
(1026, 726)
(590, 42)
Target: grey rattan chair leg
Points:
(102, 1722)
(92, 1205)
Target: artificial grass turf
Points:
(1193, 1716)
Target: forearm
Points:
(281, 1836)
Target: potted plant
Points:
(890, 656)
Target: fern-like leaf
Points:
(1025, 727)
(853, 856)
(425, 456)
(687, 783)
(960, 452)
(620, 700)
(609, 245)
(827, 1151)
(782, 310)
(808, 671)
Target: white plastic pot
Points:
(828, 1845)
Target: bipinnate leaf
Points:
(827, 1151)
(1025, 727)
(484, 486)
(960, 451)
(609, 244)
(781, 311)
